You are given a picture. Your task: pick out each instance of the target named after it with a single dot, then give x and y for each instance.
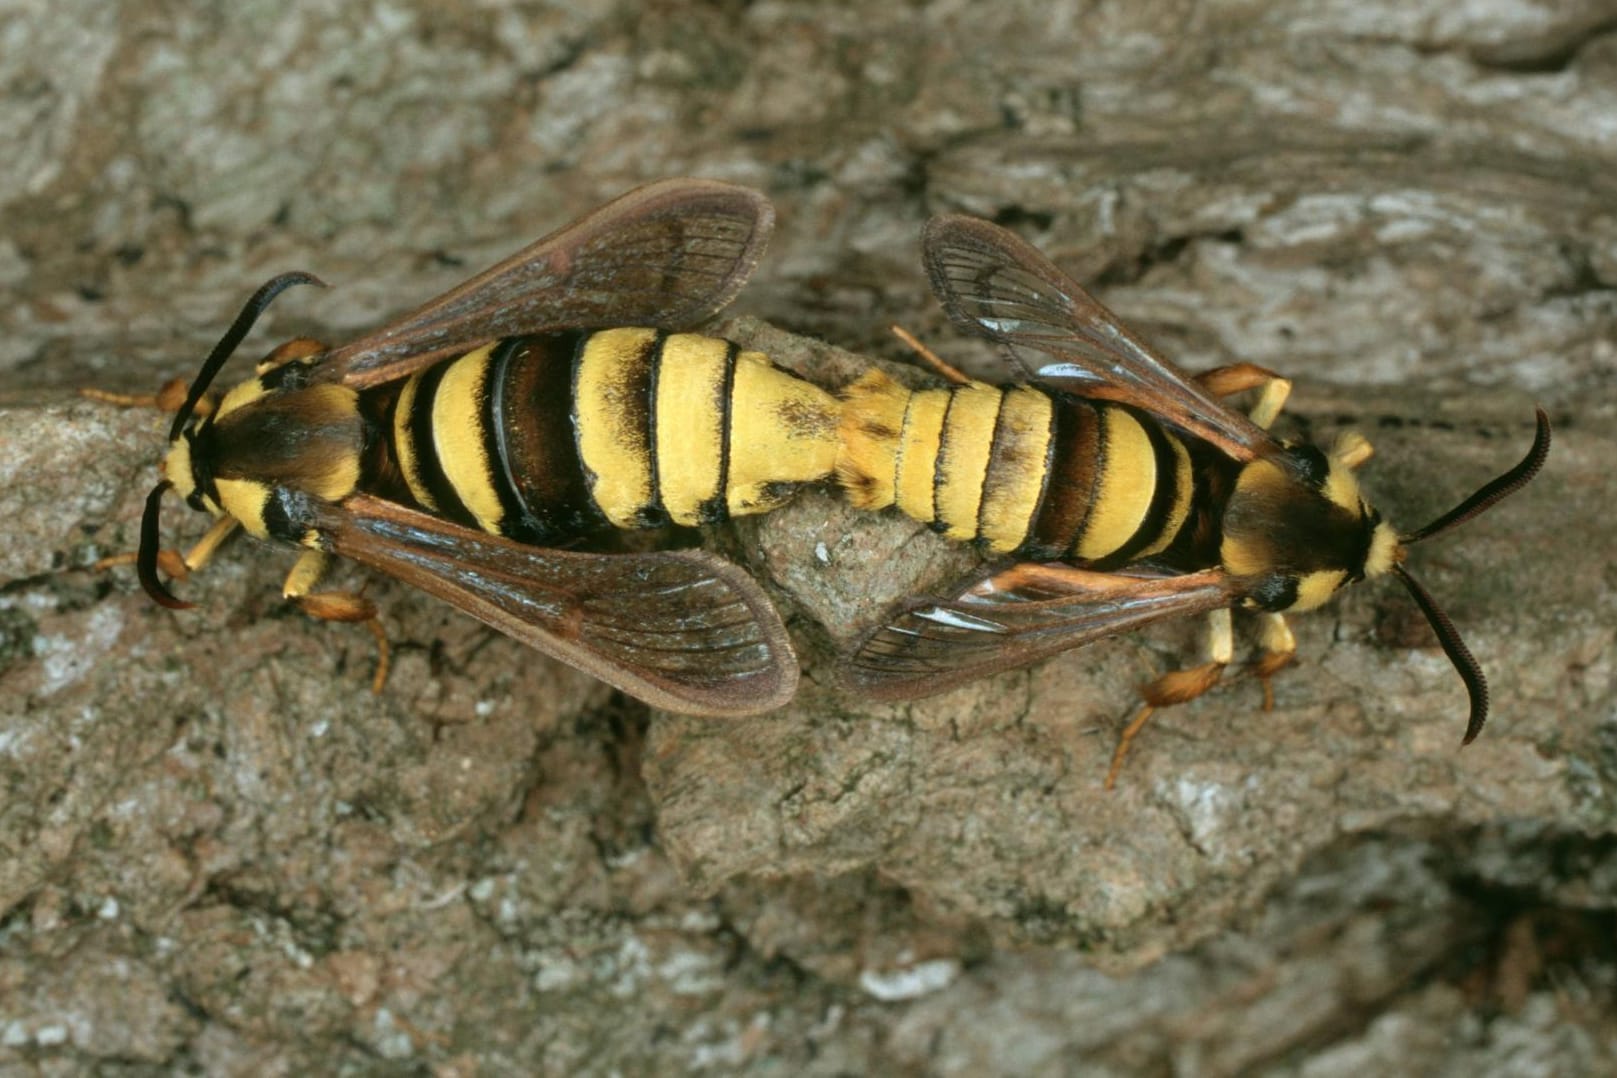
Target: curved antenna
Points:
(146, 560)
(227, 345)
(1502, 487)
(1464, 662)
(1448, 636)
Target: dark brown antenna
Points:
(1447, 635)
(1494, 491)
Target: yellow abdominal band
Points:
(1017, 469)
(1125, 488)
(612, 417)
(657, 429)
(783, 432)
(458, 437)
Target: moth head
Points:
(180, 466)
(1322, 534)
(1297, 527)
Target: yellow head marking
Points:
(1385, 551)
(176, 467)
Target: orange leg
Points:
(1069, 580)
(1235, 378)
(335, 606)
(949, 372)
(1277, 649)
(1239, 377)
(169, 560)
(1178, 687)
(167, 399)
(293, 350)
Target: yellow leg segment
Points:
(335, 605)
(1277, 648)
(199, 555)
(1239, 377)
(1352, 449)
(1178, 686)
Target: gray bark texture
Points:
(220, 853)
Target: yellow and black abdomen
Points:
(1017, 469)
(545, 437)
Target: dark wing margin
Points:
(1016, 617)
(670, 254)
(995, 285)
(682, 630)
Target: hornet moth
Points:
(458, 446)
(1123, 489)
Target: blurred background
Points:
(218, 853)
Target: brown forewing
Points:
(994, 285)
(681, 630)
(669, 254)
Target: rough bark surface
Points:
(219, 852)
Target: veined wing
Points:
(995, 285)
(681, 630)
(1016, 617)
(669, 255)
